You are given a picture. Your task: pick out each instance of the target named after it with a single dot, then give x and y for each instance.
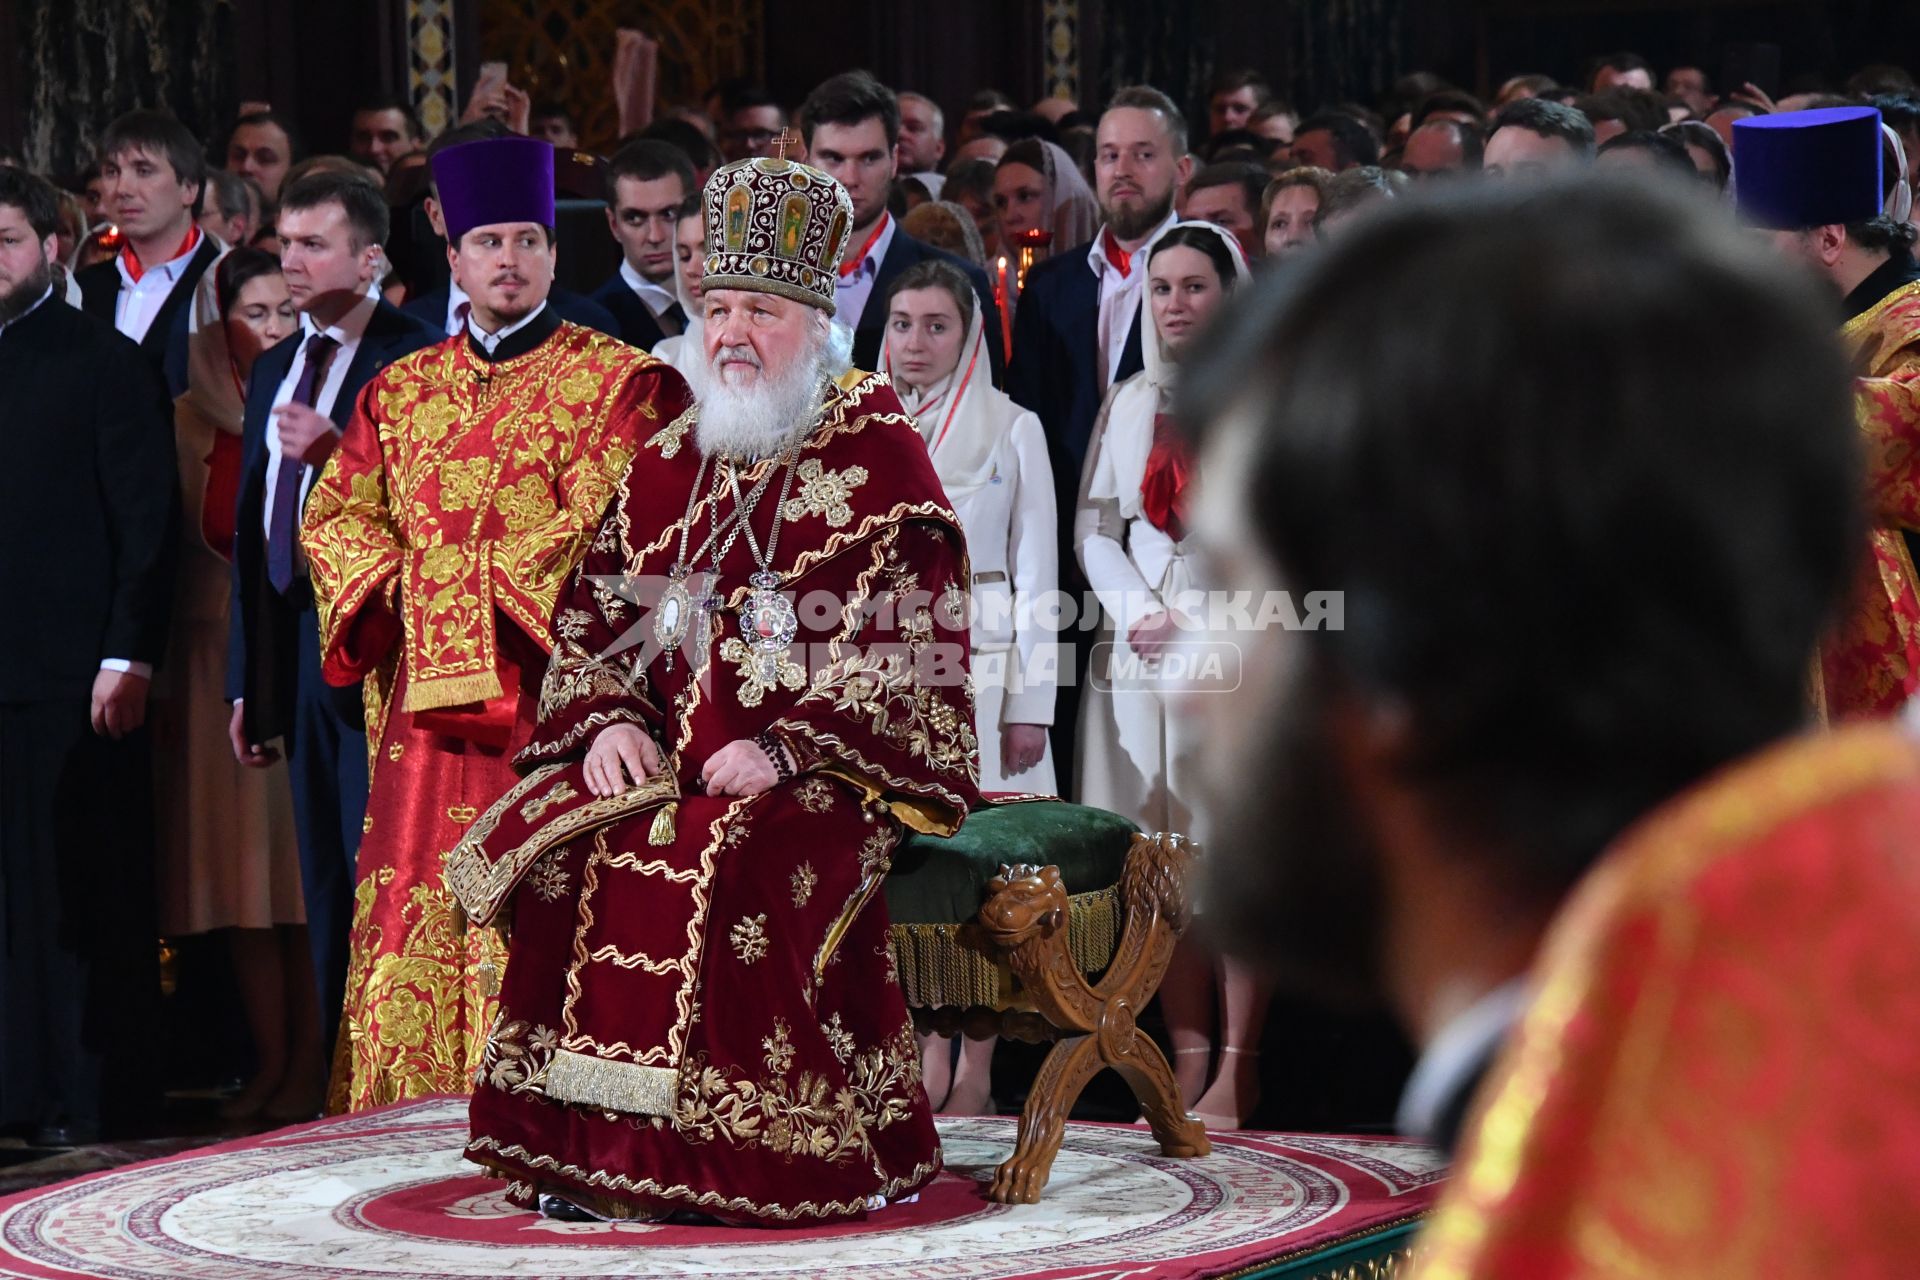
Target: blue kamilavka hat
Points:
(494, 181)
(1808, 168)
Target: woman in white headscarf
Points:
(1037, 187)
(228, 854)
(991, 457)
(1135, 758)
(687, 348)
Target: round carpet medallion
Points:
(386, 1194)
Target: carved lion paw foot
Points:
(1019, 1181)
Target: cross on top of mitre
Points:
(784, 139)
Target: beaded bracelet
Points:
(777, 753)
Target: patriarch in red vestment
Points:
(466, 488)
(1553, 792)
(760, 687)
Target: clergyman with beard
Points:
(759, 688)
(1552, 792)
(88, 498)
(450, 515)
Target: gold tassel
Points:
(662, 832)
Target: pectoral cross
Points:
(784, 139)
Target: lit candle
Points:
(1004, 303)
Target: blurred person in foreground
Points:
(1549, 781)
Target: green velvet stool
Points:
(1047, 921)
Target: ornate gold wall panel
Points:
(562, 50)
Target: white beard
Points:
(758, 418)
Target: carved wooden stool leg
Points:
(1146, 1072)
(1026, 917)
(1069, 1065)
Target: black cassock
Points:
(88, 497)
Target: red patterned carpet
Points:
(385, 1194)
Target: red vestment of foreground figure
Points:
(1720, 1072)
(700, 1010)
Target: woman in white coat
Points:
(991, 457)
(1135, 757)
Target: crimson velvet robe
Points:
(460, 498)
(700, 1009)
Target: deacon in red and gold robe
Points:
(462, 495)
(701, 1011)
(1870, 665)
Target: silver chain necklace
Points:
(765, 615)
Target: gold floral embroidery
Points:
(562, 792)
(527, 505)
(806, 1116)
(815, 795)
(874, 853)
(824, 493)
(580, 386)
(548, 877)
(954, 602)
(839, 1039)
(883, 690)
(431, 419)
(779, 1048)
(513, 1067)
(462, 480)
(572, 624)
(749, 938)
(751, 689)
(419, 999)
(668, 438)
(803, 882)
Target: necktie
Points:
(674, 319)
(285, 525)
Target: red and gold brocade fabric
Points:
(1720, 1073)
(701, 1010)
(1870, 663)
(461, 496)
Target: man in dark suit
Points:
(156, 178)
(853, 128)
(1078, 328)
(88, 500)
(648, 183)
(446, 306)
(299, 401)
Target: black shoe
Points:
(561, 1209)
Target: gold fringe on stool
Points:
(953, 966)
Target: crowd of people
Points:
(1034, 283)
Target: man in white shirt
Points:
(648, 183)
(302, 396)
(852, 124)
(156, 176)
